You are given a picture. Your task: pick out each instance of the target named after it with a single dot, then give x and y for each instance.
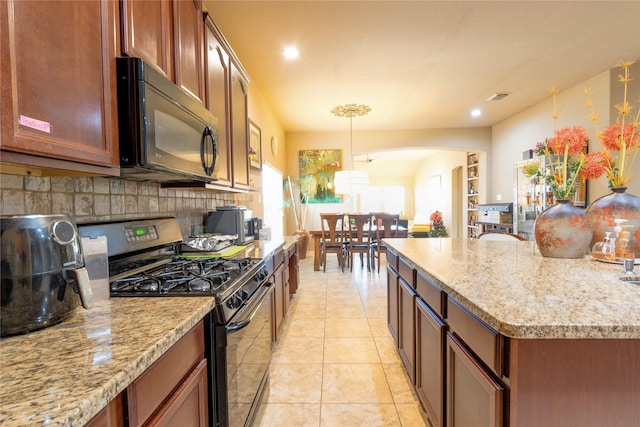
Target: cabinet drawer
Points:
(431, 294)
(407, 272)
(292, 250)
(149, 390)
(278, 258)
(477, 335)
(392, 259)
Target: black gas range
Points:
(145, 261)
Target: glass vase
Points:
(618, 204)
(563, 231)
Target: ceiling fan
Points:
(367, 159)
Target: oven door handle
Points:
(236, 326)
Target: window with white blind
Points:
(388, 198)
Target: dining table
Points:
(317, 237)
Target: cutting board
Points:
(227, 252)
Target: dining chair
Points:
(499, 235)
(359, 239)
(332, 239)
(386, 227)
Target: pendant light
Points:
(350, 181)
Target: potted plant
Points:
(437, 225)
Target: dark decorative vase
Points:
(563, 231)
(303, 243)
(618, 204)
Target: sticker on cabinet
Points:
(35, 124)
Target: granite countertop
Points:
(65, 374)
(521, 294)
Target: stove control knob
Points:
(243, 295)
(234, 302)
(261, 275)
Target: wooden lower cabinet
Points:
(431, 334)
(392, 303)
(407, 337)
(111, 416)
(187, 406)
(281, 295)
(174, 387)
(474, 396)
(294, 269)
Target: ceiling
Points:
(422, 64)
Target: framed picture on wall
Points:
(317, 174)
(255, 146)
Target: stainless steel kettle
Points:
(43, 278)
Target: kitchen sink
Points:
(634, 280)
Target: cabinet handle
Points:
(208, 151)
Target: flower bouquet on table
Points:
(437, 225)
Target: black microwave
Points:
(232, 221)
(165, 135)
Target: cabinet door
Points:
(218, 76)
(407, 337)
(188, 23)
(57, 66)
(392, 303)
(147, 34)
(111, 416)
(240, 129)
(187, 406)
(474, 396)
(294, 271)
(430, 368)
(278, 311)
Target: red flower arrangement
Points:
(620, 141)
(566, 157)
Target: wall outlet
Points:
(498, 197)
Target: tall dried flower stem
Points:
(293, 203)
(626, 159)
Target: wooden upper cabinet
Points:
(217, 79)
(240, 128)
(168, 34)
(147, 34)
(58, 100)
(188, 27)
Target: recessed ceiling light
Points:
(291, 52)
(476, 112)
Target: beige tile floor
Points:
(335, 363)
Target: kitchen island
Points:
(66, 374)
(529, 340)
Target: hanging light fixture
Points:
(349, 181)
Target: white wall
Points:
(472, 139)
(521, 132)
(438, 165)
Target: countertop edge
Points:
(524, 330)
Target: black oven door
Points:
(162, 130)
(243, 353)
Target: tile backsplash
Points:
(91, 199)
